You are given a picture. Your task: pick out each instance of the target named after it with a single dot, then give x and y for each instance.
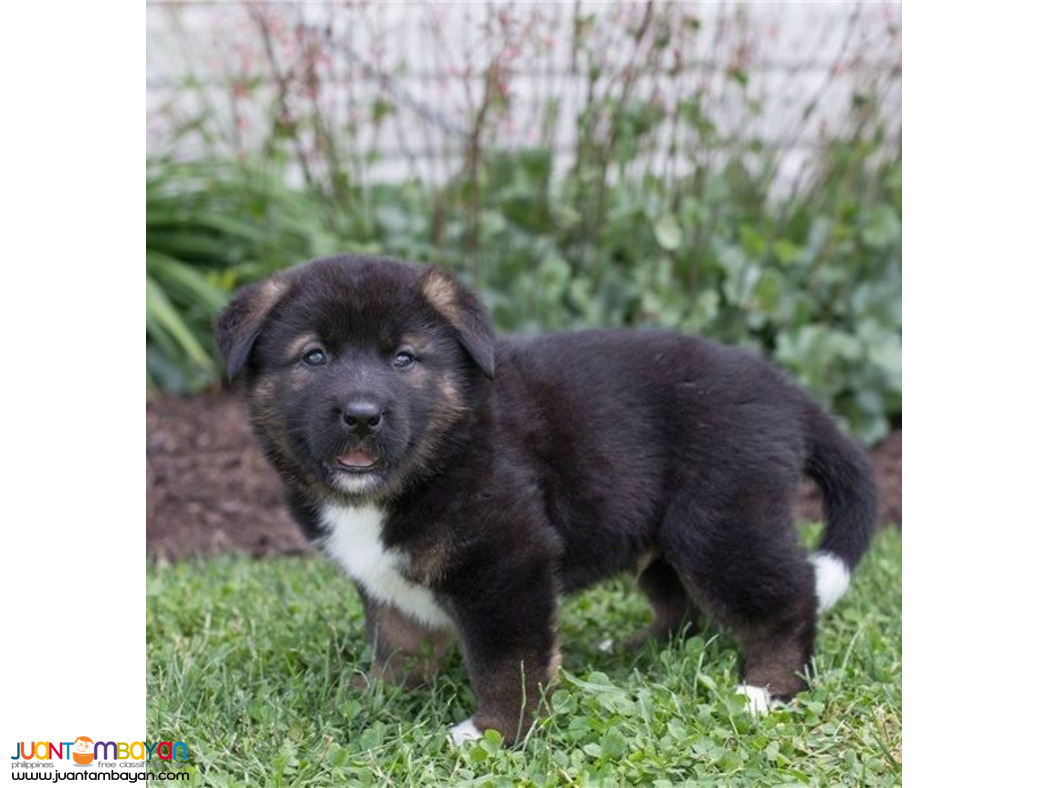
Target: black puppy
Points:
(465, 481)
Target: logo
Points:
(83, 751)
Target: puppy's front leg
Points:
(506, 622)
(405, 651)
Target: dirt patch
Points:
(209, 490)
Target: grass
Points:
(252, 664)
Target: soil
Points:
(210, 491)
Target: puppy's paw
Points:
(464, 732)
(758, 700)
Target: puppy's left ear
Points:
(239, 324)
(462, 309)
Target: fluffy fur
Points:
(465, 481)
(833, 578)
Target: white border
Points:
(73, 515)
(978, 288)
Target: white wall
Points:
(426, 60)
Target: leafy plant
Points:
(210, 227)
(813, 283)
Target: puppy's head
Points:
(357, 368)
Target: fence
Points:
(408, 90)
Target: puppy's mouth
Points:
(357, 461)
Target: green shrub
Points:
(813, 282)
(211, 227)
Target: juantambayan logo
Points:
(84, 750)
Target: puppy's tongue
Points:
(357, 459)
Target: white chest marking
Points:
(356, 543)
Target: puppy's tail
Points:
(843, 473)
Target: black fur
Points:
(512, 470)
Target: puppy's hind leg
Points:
(673, 610)
(748, 569)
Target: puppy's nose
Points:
(362, 417)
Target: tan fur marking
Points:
(555, 662)
(415, 342)
(444, 416)
(406, 651)
(672, 607)
(275, 287)
(643, 563)
(440, 292)
(269, 424)
(298, 346)
(264, 389)
(775, 658)
(451, 395)
(508, 696)
(271, 291)
(427, 564)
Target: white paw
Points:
(606, 646)
(464, 732)
(757, 698)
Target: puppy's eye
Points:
(315, 357)
(404, 359)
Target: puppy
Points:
(464, 481)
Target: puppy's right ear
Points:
(239, 324)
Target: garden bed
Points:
(209, 491)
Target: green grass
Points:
(252, 663)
